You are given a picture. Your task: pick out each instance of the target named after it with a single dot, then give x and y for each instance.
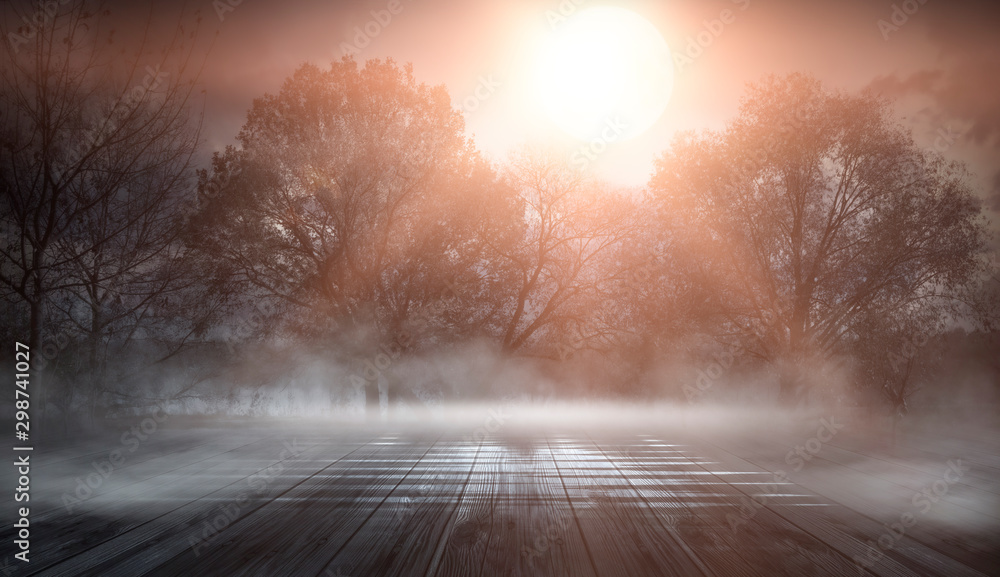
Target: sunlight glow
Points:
(604, 65)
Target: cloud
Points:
(965, 91)
(962, 83)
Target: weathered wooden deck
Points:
(286, 499)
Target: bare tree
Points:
(813, 212)
(344, 204)
(561, 269)
(96, 149)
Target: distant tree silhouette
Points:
(96, 153)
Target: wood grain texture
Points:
(358, 501)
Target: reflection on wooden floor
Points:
(283, 500)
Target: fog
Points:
(352, 341)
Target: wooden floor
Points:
(292, 499)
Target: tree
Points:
(96, 149)
(813, 213)
(562, 264)
(351, 203)
(892, 355)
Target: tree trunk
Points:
(95, 369)
(372, 407)
(392, 393)
(35, 346)
(789, 381)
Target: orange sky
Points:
(942, 63)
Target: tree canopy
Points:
(818, 220)
(354, 216)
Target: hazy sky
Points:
(942, 63)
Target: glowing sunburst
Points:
(604, 65)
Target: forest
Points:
(352, 247)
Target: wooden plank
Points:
(130, 552)
(530, 523)
(541, 519)
(687, 506)
(344, 504)
(145, 478)
(328, 506)
(53, 479)
(621, 535)
(404, 503)
(884, 498)
(72, 533)
(847, 532)
(243, 542)
(402, 534)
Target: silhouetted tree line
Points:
(354, 218)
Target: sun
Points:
(602, 66)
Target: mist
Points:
(657, 290)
